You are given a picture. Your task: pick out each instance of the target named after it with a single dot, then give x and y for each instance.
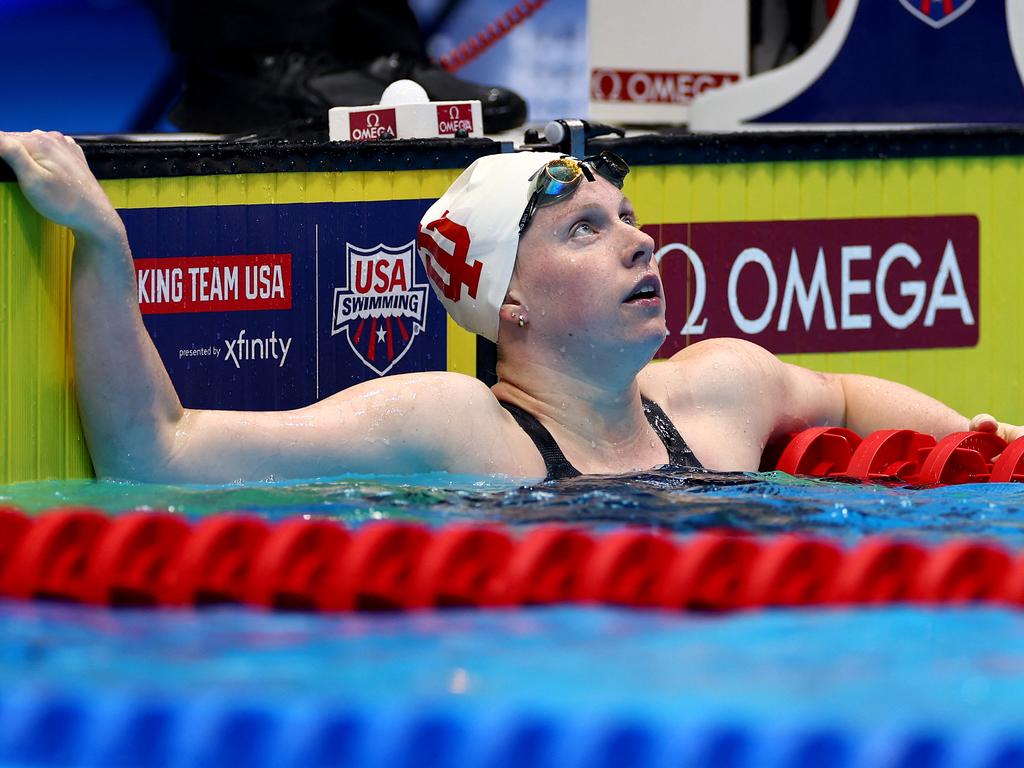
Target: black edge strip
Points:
(119, 160)
(694, 149)
(146, 160)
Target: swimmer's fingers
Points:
(49, 150)
(56, 180)
(17, 156)
(75, 147)
(984, 422)
(1010, 432)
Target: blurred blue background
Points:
(103, 66)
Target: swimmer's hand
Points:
(985, 422)
(55, 178)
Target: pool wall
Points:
(884, 253)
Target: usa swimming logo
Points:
(937, 13)
(382, 307)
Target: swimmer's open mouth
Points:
(648, 288)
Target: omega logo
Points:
(454, 118)
(376, 124)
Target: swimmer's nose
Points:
(643, 249)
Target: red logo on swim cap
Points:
(453, 263)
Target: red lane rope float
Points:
(378, 569)
(462, 566)
(709, 573)
(961, 572)
(472, 47)
(289, 567)
(878, 570)
(890, 453)
(158, 559)
(545, 564)
(625, 568)
(793, 570)
(50, 559)
(819, 452)
(213, 564)
(903, 455)
(131, 556)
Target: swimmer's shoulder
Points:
(721, 395)
(712, 371)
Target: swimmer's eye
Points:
(581, 228)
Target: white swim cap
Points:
(468, 239)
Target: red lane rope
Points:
(903, 455)
(472, 47)
(146, 559)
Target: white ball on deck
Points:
(404, 92)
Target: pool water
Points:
(680, 501)
(865, 672)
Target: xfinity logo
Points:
(243, 349)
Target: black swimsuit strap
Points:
(558, 467)
(679, 453)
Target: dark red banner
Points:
(632, 85)
(837, 285)
(214, 283)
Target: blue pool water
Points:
(240, 687)
(946, 674)
(953, 668)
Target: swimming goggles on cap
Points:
(559, 178)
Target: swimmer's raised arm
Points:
(135, 425)
(128, 405)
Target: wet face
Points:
(588, 278)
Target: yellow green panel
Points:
(760, 200)
(261, 188)
(40, 434)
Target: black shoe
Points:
(247, 93)
(242, 94)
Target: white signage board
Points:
(649, 58)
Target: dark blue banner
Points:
(269, 307)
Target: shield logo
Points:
(937, 13)
(382, 307)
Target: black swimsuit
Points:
(679, 454)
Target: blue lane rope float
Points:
(97, 731)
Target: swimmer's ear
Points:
(513, 312)
(513, 308)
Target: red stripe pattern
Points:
(472, 47)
